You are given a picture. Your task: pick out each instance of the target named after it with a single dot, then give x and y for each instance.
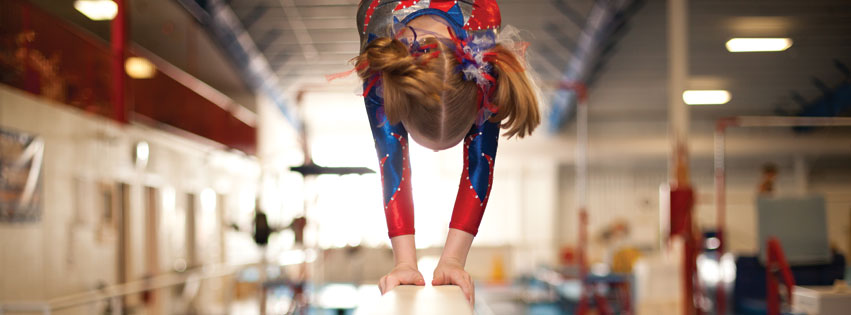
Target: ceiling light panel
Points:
(706, 97)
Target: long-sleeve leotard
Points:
(391, 145)
(476, 177)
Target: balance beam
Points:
(420, 300)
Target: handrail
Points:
(124, 289)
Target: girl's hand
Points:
(449, 271)
(401, 274)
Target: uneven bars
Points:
(720, 167)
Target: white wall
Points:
(72, 249)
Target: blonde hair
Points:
(429, 96)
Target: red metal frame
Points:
(776, 261)
(119, 51)
(681, 220)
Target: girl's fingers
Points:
(438, 279)
(419, 280)
(465, 282)
(461, 279)
(391, 283)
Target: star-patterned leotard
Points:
(375, 19)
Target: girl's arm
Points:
(404, 250)
(405, 271)
(450, 269)
(476, 177)
(473, 192)
(391, 145)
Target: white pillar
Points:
(678, 125)
(678, 115)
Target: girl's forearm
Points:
(404, 250)
(457, 246)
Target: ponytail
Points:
(514, 96)
(407, 80)
(429, 94)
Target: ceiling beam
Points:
(592, 39)
(221, 21)
(299, 29)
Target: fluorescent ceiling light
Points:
(706, 97)
(97, 10)
(139, 68)
(758, 44)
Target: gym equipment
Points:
(420, 300)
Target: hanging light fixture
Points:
(97, 10)
(139, 68)
(758, 44)
(706, 97)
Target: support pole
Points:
(776, 263)
(262, 281)
(721, 210)
(119, 49)
(582, 184)
(582, 194)
(678, 115)
(682, 196)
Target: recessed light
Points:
(97, 10)
(706, 97)
(141, 153)
(758, 44)
(139, 68)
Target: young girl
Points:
(438, 70)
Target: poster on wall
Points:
(21, 158)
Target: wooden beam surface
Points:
(420, 300)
